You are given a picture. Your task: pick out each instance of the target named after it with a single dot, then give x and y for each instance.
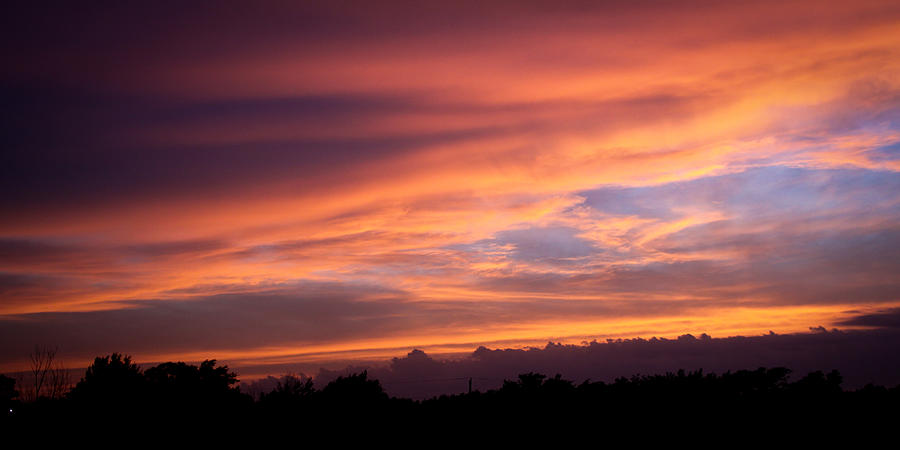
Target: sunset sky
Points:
(267, 182)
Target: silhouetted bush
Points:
(112, 384)
(353, 391)
(746, 401)
(291, 393)
(180, 388)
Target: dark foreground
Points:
(743, 405)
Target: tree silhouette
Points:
(527, 383)
(184, 387)
(177, 395)
(41, 364)
(354, 390)
(7, 394)
(112, 380)
(179, 376)
(290, 388)
(49, 378)
(292, 396)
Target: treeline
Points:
(114, 387)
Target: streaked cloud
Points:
(338, 178)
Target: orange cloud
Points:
(725, 155)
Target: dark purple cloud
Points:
(888, 318)
(298, 315)
(860, 356)
(304, 313)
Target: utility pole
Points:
(470, 385)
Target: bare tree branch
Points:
(49, 378)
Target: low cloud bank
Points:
(862, 356)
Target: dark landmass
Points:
(176, 395)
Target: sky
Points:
(310, 182)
